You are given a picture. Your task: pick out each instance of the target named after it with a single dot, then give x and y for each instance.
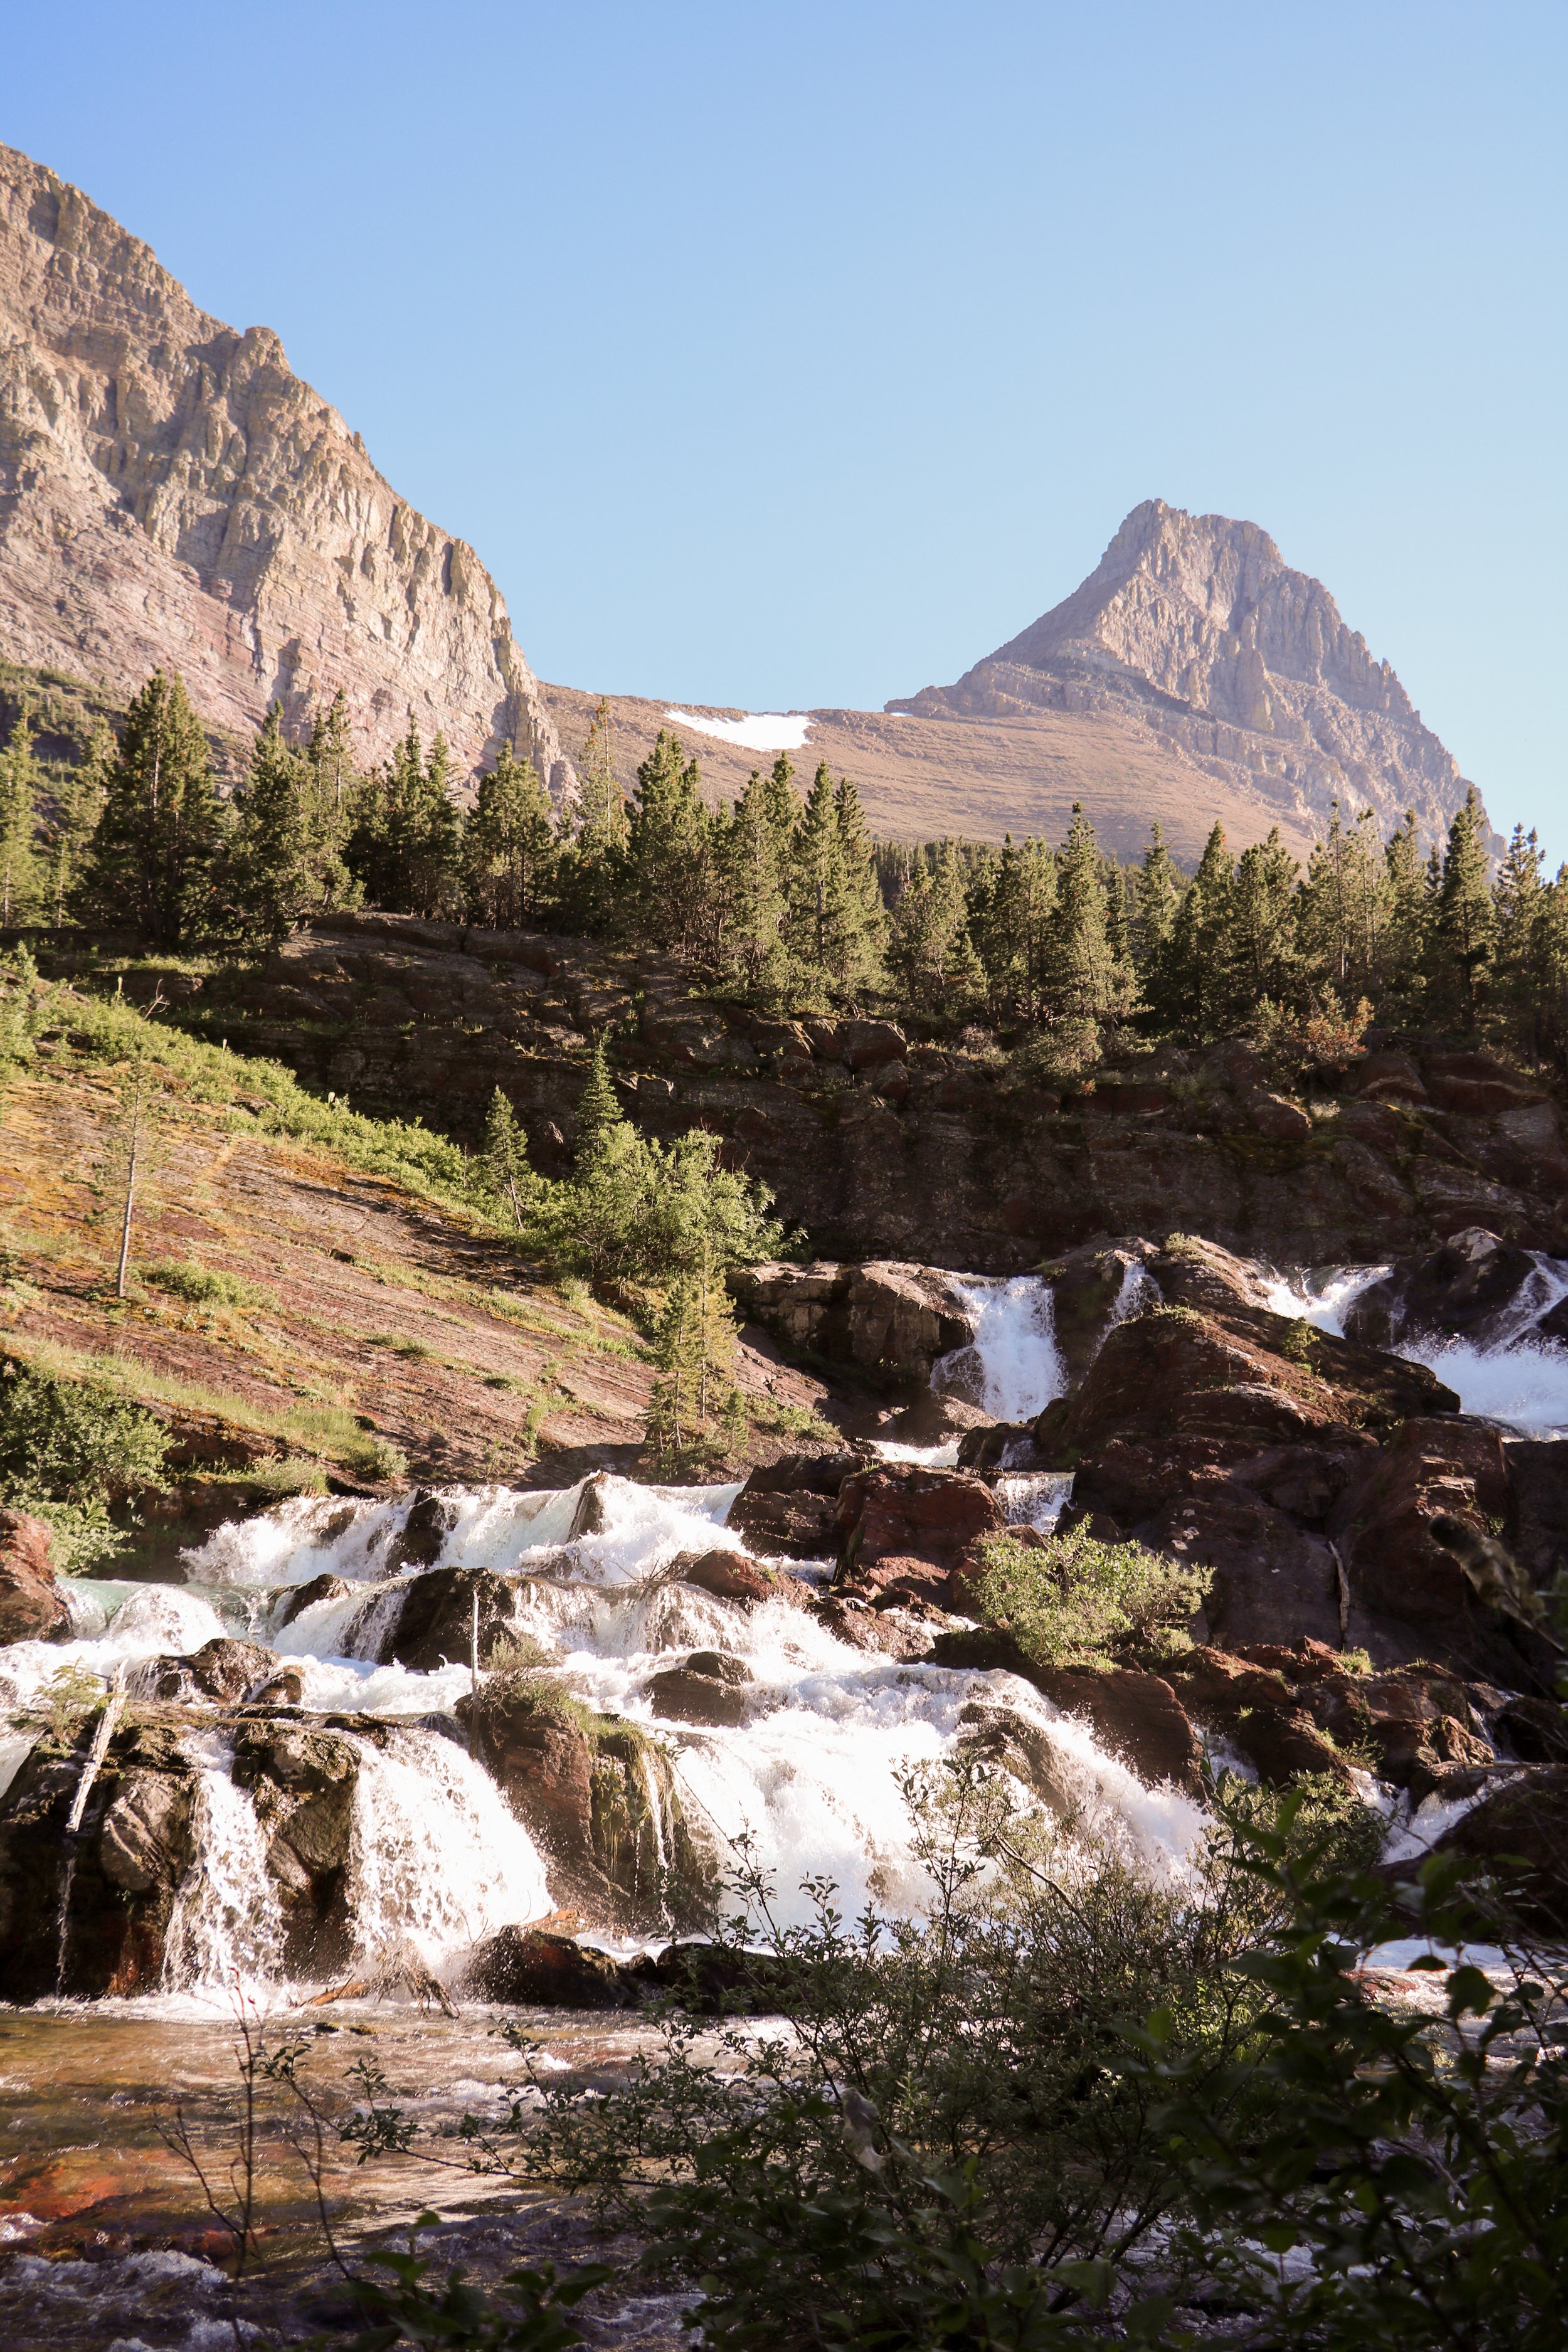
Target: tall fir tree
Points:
(503, 1160)
(72, 806)
(1345, 909)
(1518, 905)
(271, 878)
(1258, 951)
(405, 847)
(1410, 892)
(598, 1111)
(511, 847)
(1156, 895)
(1084, 979)
(668, 844)
(835, 923)
(756, 857)
(20, 782)
(1011, 898)
(154, 850)
(1460, 941)
(1184, 986)
(929, 949)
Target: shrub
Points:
(372, 1457)
(204, 1285)
(66, 1441)
(1072, 1599)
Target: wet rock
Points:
(144, 1843)
(914, 1514)
(600, 1800)
(1001, 1737)
(885, 1316)
(714, 1979)
(1138, 1716)
(1468, 1288)
(708, 1688)
(1397, 1572)
(1521, 1831)
(731, 1576)
(302, 1781)
(536, 1969)
(1257, 1710)
(897, 1629)
(423, 1537)
(436, 1626)
(1088, 1286)
(31, 1607)
(304, 1596)
(1534, 1729)
(221, 1670)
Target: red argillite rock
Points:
(918, 1513)
(31, 1607)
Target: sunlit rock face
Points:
(1195, 628)
(171, 494)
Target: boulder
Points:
(919, 1514)
(731, 1576)
(1138, 1716)
(422, 1538)
(1477, 1085)
(221, 1671)
(539, 1969)
(301, 1780)
(1396, 1569)
(708, 1688)
(1276, 1117)
(715, 1978)
(885, 1318)
(436, 1624)
(1469, 1288)
(863, 1045)
(325, 1587)
(1521, 1829)
(31, 1606)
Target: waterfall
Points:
(226, 1929)
(1520, 1379)
(1011, 1368)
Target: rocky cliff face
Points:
(170, 493)
(1194, 629)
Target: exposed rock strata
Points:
(1193, 630)
(32, 1608)
(171, 494)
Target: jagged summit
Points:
(1195, 628)
(171, 492)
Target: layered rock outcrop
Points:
(171, 494)
(1193, 630)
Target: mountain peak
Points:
(171, 494)
(1195, 627)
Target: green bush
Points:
(72, 1441)
(204, 1285)
(372, 1457)
(1073, 1599)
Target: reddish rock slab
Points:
(536, 1969)
(31, 1607)
(729, 1576)
(916, 1514)
(1138, 1716)
(1521, 1831)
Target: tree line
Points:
(784, 900)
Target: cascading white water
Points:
(1011, 1368)
(1519, 1379)
(438, 1859)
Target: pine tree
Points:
(835, 920)
(333, 769)
(668, 851)
(73, 805)
(1083, 978)
(135, 1150)
(1011, 898)
(598, 1111)
(511, 848)
(929, 949)
(405, 848)
(1257, 953)
(1463, 923)
(503, 1158)
(270, 868)
(19, 786)
(1519, 898)
(1409, 901)
(1185, 984)
(1157, 894)
(756, 854)
(153, 853)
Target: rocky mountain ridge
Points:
(1195, 631)
(171, 493)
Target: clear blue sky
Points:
(795, 355)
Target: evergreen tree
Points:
(598, 1111)
(72, 807)
(1463, 923)
(270, 866)
(153, 853)
(1345, 909)
(19, 785)
(1083, 978)
(929, 949)
(1011, 899)
(511, 848)
(756, 856)
(834, 920)
(503, 1158)
(406, 844)
(331, 770)
(1157, 894)
(1258, 950)
(1519, 903)
(1185, 984)
(1410, 893)
(667, 855)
